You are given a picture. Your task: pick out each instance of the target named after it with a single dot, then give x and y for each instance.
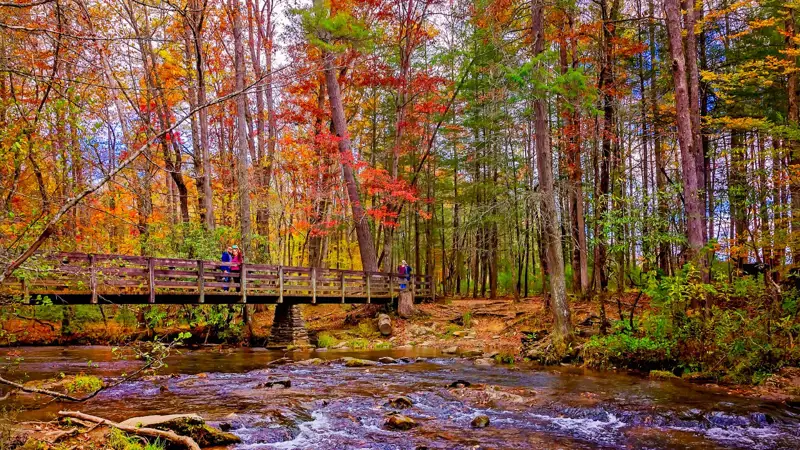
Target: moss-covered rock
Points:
(356, 362)
(399, 422)
(400, 402)
(662, 375)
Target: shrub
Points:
(325, 340)
(466, 319)
(84, 384)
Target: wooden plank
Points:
(93, 279)
(243, 282)
(201, 281)
(280, 284)
(313, 285)
(151, 279)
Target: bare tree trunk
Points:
(241, 127)
(794, 120)
(693, 206)
(363, 233)
(562, 330)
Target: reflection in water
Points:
(333, 407)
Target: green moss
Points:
(358, 344)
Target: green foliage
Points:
(466, 319)
(84, 384)
(126, 317)
(735, 332)
(358, 344)
(383, 345)
(365, 330)
(326, 340)
(118, 440)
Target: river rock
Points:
(190, 425)
(399, 422)
(387, 360)
(356, 362)
(491, 354)
(400, 402)
(460, 384)
(275, 384)
(484, 362)
(481, 421)
(311, 362)
(280, 361)
(471, 353)
(450, 350)
(459, 333)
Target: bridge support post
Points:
(288, 327)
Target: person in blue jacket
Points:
(226, 258)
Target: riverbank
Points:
(345, 399)
(504, 330)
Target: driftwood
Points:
(145, 432)
(385, 324)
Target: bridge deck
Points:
(77, 278)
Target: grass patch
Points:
(358, 344)
(118, 440)
(365, 330)
(326, 340)
(383, 345)
(466, 319)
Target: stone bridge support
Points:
(288, 327)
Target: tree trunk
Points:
(241, 128)
(562, 329)
(366, 245)
(691, 187)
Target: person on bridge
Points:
(404, 270)
(237, 258)
(226, 258)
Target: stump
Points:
(405, 305)
(385, 324)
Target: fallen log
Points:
(385, 324)
(144, 432)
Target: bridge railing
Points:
(96, 276)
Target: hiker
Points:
(226, 258)
(404, 270)
(237, 258)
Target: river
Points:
(330, 406)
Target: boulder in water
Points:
(275, 384)
(356, 362)
(387, 360)
(481, 421)
(311, 362)
(460, 384)
(190, 425)
(484, 362)
(471, 353)
(399, 422)
(450, 350)
(400, 402)
(661, 375)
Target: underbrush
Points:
(737, 332)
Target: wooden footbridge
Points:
(79, 278)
